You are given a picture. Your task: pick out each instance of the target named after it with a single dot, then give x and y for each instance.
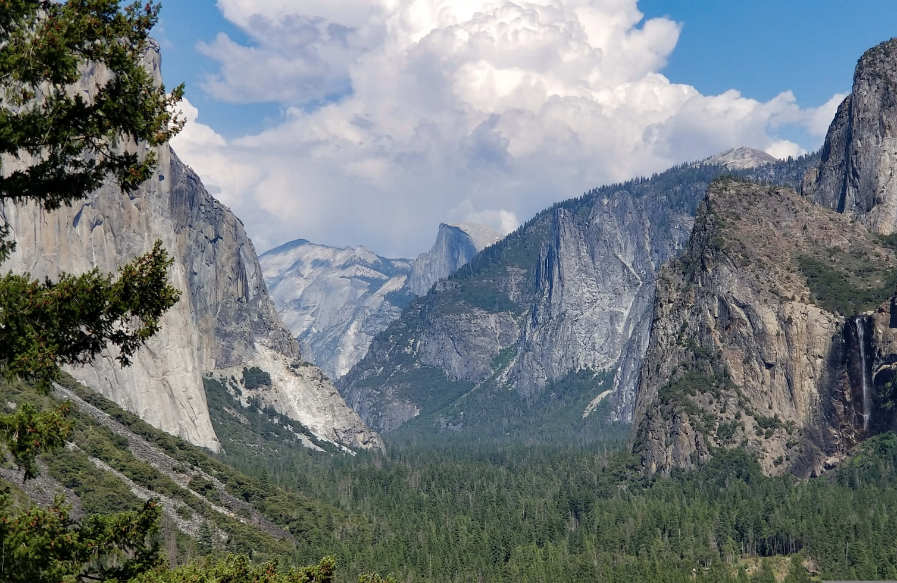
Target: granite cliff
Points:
(334, 301)
(775, 331)
(856, 175)
(455, 246)
(224, 322)
(543, 332)
(771, 332)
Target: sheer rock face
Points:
(571, 291)
(236, 319)
(225, 318)
(594, 295)
(579, 298)
(856, 176)
(334, 301)
(455, 246)
(163, 384)
(740, 353)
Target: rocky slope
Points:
(113, 461)
(455, 246)
(536, 327)
(224, 322)
(334, 301)
(773, 332)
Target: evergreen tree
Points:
(204, 539)
(58, 145)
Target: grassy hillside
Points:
(114, 459)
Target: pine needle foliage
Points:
(78, 109)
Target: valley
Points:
(686, 376)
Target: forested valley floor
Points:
(448, 510)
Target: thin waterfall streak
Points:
(861, 337)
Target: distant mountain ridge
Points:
(741, 158)
(334, 301)
(529, 333)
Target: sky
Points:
(369, 122)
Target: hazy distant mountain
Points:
(455, 246)
(740, 158)
(336, 300)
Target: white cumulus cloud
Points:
(455, 110)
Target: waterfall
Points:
(861, 336)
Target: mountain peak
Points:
(740, 158)
(481, 235)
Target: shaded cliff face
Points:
(856, 174)
(334, 301)
(455, 246)
(756, 339)
(225, 320)
(236, 321)
(537, 327)
(564, 295)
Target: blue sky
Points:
(376, 134)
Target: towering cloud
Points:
(399, 114)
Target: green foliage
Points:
(254, 377)
(47, 545)
(274, 426)
(77, 142)
(205, 488)
(310, 521)
(71, 144)
(237, 569)
(400, 298)
(485, 297)
(847, 283)
(71, 320)
(29, 432)
(692, 383)
(374, 578)
(204, 543)
(874, 462)
(99, 492)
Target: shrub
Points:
(254, 377)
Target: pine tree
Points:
(204, 543)
(67, 145)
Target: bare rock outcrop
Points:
(225, 318)
(760, 336)
(856, 176)
(455, 246)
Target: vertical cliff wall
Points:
(455, 246)
(225, 320)
(757, 341)
(856, 176)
